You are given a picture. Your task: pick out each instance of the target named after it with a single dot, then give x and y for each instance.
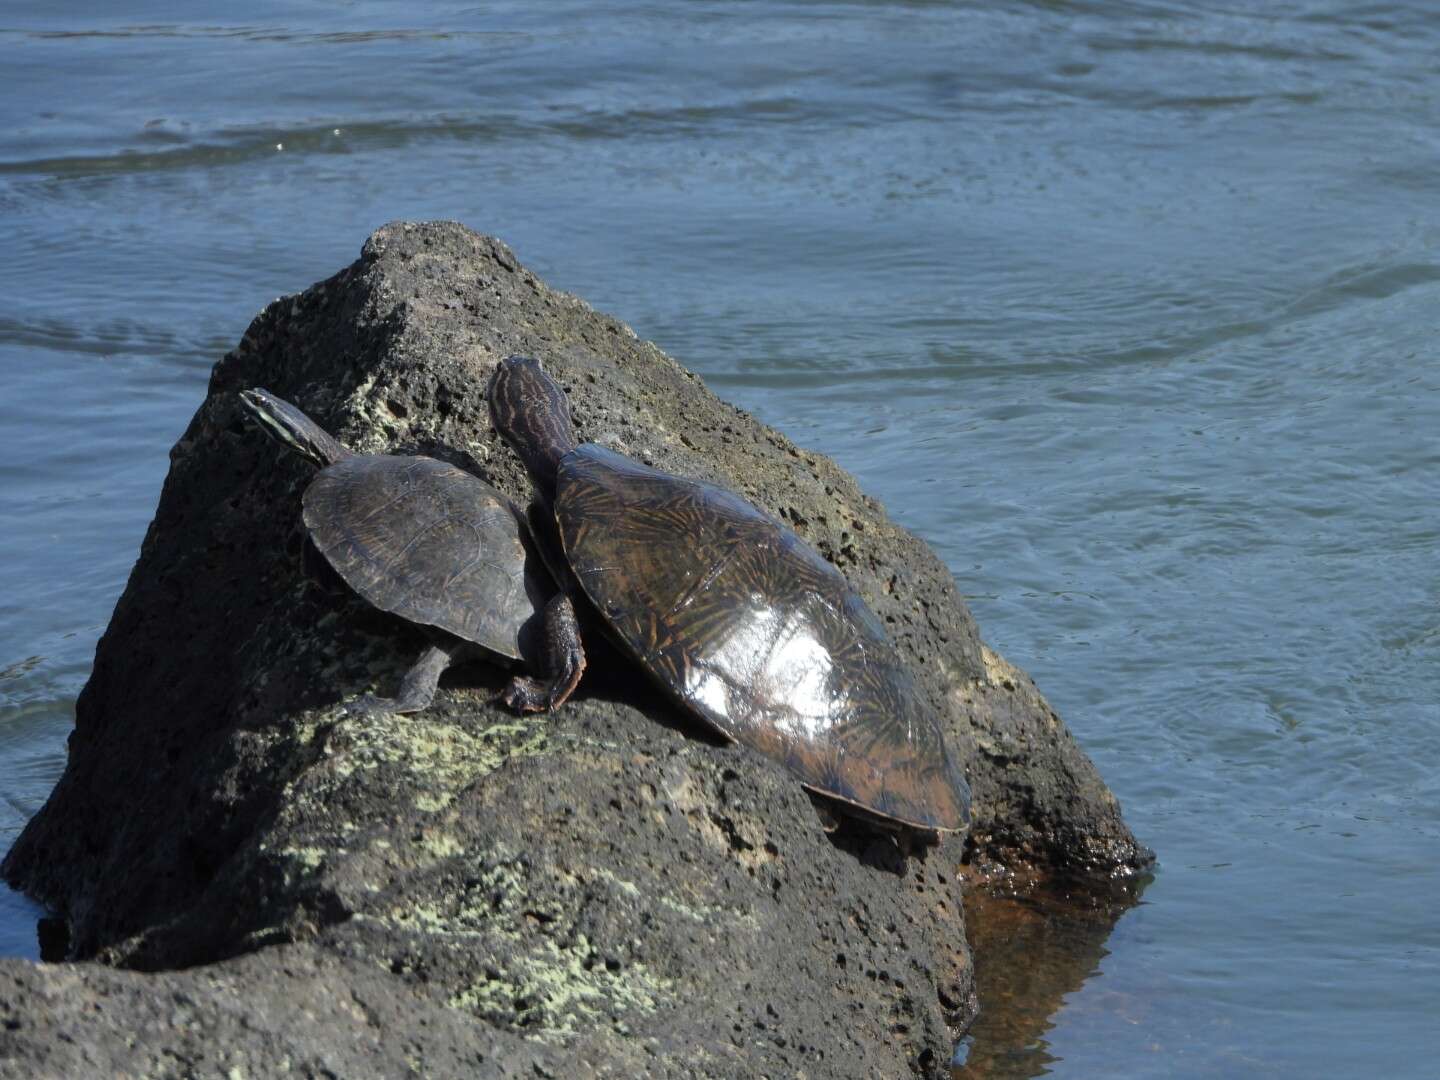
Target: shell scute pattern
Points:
(756, 633)
(428, 542)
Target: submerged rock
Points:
(604, 889)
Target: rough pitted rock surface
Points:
(601, 891)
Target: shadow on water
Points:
(1033, 950)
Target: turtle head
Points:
(290, 427)
(530, 410)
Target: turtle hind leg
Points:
(564, 662)
(417, 688)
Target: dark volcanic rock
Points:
(464, 891)
(311, 1013)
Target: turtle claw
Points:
(558, 690)
(368, 705)
(527, 695)
(829, 818)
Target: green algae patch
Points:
(444, 756)
(474, 910)
(709, 914)
(433, 804)
(308, 857)
(442, 846)
(564, 989)
(426, 919)
(629, 888)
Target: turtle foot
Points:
(829, 818)
(417, 689)
(525, 694)
(564, 662)
(370, 705)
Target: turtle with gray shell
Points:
(735, 617)
(437, 546)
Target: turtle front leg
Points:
(417, 688)
(564, 662)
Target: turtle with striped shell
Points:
(734, 616)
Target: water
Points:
(1129, 308)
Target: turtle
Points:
(437, 546)
(737, 619)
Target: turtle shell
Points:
(429, 542)
(756, 633)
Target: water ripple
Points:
(1129, 308)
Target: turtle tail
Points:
(531, 411)
(290, 427)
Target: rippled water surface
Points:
(1129, 308)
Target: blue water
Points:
(1129, 308)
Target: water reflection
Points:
(1032, 949)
